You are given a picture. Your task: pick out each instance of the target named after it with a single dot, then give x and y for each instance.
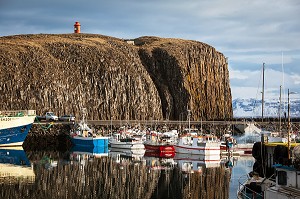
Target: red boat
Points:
(159, 143)
(159, 147)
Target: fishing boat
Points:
(192, 143)
(14, 126)
(159, 142)
(125, 143)
(198, 145)
(283, 184)
(83, 135)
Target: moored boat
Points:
(14, 126)
(125, 143)
(156, 142)
(83, 135)
(198, 145)
(283, 184)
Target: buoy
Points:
(77, 27)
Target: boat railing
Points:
(17, 113)
(245, 192)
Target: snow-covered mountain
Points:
(252, 108)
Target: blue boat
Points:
(83, 135)
(14, 126)
(91, 141)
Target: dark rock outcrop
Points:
(157, 78)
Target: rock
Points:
(157, 78)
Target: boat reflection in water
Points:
(102, 173)
(81, 152)
(196, 163)
(202, 176)
(15, 167)
(127, 155)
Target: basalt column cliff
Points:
(145, 78)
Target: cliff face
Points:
(156, 78)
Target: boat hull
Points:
(126, 145)
(159, 148)
(90, 141)
(13, 130)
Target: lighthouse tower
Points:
(77, 27)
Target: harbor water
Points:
(104, 173)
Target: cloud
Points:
(295, 78)
(248, 32)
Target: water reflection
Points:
(105, 173)
(15, 167)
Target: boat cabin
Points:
(287, 183)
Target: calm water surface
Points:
(101, 173)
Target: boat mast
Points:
(280, 112)
(263, 93)
(289, 143)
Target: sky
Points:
(248, 32)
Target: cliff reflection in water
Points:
(90, 174)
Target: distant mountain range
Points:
(252, 108)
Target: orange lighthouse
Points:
(77, 27)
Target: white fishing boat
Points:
(199, 145)
(284, 186)
(191, 143)
(125, 143)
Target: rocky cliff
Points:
(154, 78)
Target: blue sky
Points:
(248, 32)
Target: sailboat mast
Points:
(280, 111)
(263, 93)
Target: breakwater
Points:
(48, 136)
